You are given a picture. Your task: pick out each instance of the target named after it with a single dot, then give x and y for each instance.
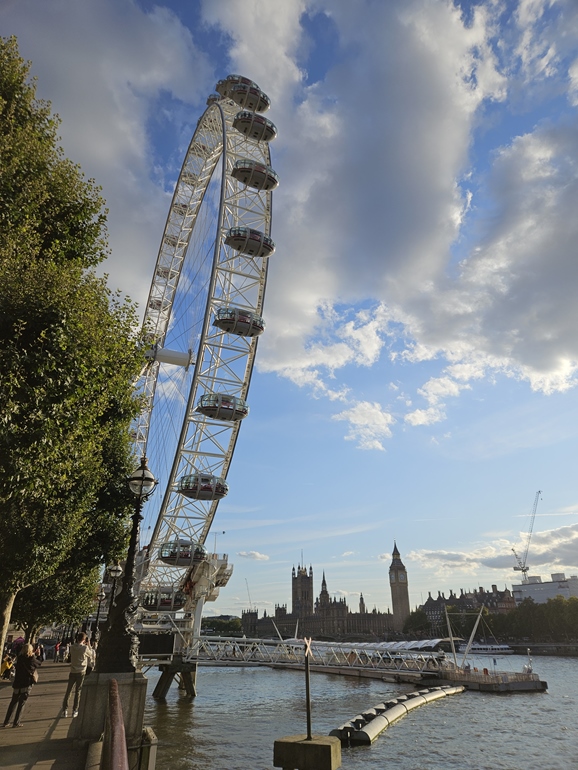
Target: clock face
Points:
(392, 577)
(402, 577)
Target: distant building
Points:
(327, 618)
(496, 602)
(540, 591)
(399, 591)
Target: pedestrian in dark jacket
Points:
(26, 665)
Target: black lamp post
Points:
(115, 571)
(118, 650)
(101, 596)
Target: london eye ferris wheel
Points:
(203, 318)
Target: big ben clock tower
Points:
(399, 591)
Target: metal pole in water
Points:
(307, 686)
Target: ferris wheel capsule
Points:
(224, 86)
(181, 209)
(250, 97)
(255, 126)
(220, 406)
(254, 174)
(235, 320)
(249, 241)
(182, 553)
(203, 486)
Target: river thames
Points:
(239, 712)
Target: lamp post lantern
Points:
(118, 649)
(115, 571)
(95, 635)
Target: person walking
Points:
(80, 657)
(64, 651)
(26, 676)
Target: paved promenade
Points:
(42, 742)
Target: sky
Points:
(416, 381)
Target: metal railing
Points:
(326, 654)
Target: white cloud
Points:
(377, 183)
(439, 387)
(553, 550)
(104, 64)
(253, 555)
(573, 86)
(428, 416)
(368, 424)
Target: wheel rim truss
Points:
(224, 361)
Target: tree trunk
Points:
(6, 604)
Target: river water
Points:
(239, 712)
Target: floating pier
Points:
(493, 681)
(365, 728)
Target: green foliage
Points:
(463, 623)
(417, 625)
(70, 356)
(66, 597)
(47, 210)
(223, 627)
(555, 621)
(65, 404)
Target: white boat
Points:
(477, 648)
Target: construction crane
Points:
(249, 595)
(521, 566)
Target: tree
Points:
(65, 597)
(223, 626)
(70, 355)
(417, 625)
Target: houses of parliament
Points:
(332, 619)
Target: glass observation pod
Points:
(255, 126)
(256, 175)
(203, 486)
(219, 406)
(166, 273)
(181, 209)
(250, 97)
(173, 241)
(234, 320)
(182, 553)
(212, 98)
(224, 87)
(251, 242)
(165, 599)
(161, 305)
